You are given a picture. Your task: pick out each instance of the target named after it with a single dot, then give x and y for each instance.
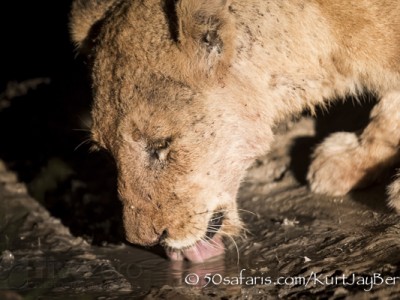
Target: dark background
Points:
(44, 119)
(35, 39)
(36, 46)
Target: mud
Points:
(292, 235)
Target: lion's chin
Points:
(200, 251)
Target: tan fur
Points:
(186, 94)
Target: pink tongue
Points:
(200, 252)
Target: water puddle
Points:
(146, 270)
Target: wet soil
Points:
(60, 220)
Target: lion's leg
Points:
(345, 160)
(394, 194)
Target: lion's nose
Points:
(157, 238)
(163, 236)
(144, 225)
(148, 239)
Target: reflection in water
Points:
(146, 270)
(197, 275)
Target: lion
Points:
(186, 93)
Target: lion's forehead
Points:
(137, 34)
(151, 103)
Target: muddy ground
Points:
(60, 220)
(67, 242)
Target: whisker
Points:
(247, 211)
(222, 232)
(213, 229)
(197, 252)
(217, 218)
(210, 240)
(197, 228)
(81, 129)
(201, 213)
(228, 225)
(86, 141)
(211, 243)
(235, 211)
(237, 248)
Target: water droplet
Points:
(7, 259)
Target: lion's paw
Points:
(394, 194)
(337, 165)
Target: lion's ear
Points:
(85, 18)
(206, 25)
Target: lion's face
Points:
(177, 160)
(177, 156)
(159, 109)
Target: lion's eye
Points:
(160, 149)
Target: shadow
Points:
(170, 10)
(300, 154)
(349, 116)
(374, 197)
(45, 100)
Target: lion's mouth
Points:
(210, 246)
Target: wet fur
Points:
(213, 77)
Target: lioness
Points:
(186, 93)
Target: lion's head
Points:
(162, 108)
